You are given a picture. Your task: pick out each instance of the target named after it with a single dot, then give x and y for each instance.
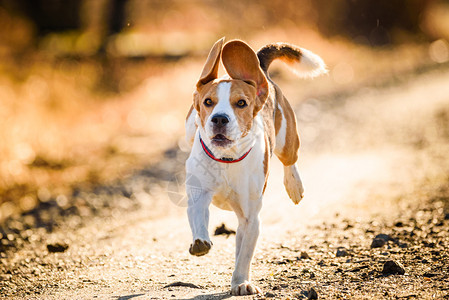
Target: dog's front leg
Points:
(246, 239)
(198, 213)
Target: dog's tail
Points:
(302, 62)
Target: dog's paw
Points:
(295, 191)
(293, 184)
(245, 288)
(200, 247)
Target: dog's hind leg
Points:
(287, 147)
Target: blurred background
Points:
(92, 90)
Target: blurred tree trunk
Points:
(50, 15)
(117, 15)
(113, 21)
(104, 17)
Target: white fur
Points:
(310, 65)
(282, 133)
(191, 127)
(224, 94)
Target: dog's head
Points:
(227, 106)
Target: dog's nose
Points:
(220, 120)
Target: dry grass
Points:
(56, 131)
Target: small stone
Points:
(393, 267)
(429, 245)
(312, 294)
(269, 295)
(378, 242)
(223, 230)
(383, 236)
(430, 275)
(304, 255)
(341, 252)
(57, 247)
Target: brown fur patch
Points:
(241, 63)
(210, 69)
(245, 115)
(289, 154)
(209, 90)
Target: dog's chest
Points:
(236, 185)
(228, 183)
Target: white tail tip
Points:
(310, 65)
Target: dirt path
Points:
(374, 163)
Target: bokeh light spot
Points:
(343, 73)
(439, 51)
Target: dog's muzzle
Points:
(220, 130)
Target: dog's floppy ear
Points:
(242, 63)
(210, 69)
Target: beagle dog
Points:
(235, 124)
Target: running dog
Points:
(235, 124)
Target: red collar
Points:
(225, 160)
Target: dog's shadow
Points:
(129, 296)
(213, 296)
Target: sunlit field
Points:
(73, 120)
(72, 116)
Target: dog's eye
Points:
(241, 103)
(208, 102)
